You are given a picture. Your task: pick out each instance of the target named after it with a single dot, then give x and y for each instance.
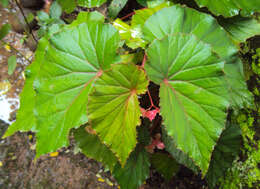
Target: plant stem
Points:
(16, 50)
(130, 14)
(26, 21)
(144, 60)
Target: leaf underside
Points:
(113, 108)
(191, 87)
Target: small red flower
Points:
(150, 114)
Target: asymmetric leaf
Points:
(72, 60)
(190, 21)
(136, 170)
(25, 119)
(224, 153)
(229, 8)
(91, 3)
(92, 147)
(113, 108)
(239, 95)
(206, 29)
(240, 28)
(191, 93)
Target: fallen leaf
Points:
(54, 154)
(101, 180)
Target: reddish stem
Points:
(144, 60)
(151, 102)
(130, 14)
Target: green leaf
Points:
(133, 34)
(179, 155)
(229, 8)
(144, 137)
(4, 30)
(190, 21)
(133, 57)
(239, 95)
(4, 2)
(113, 108)
(156, 3)
(30, 17)
(191, 89)
(73, 59)
(67, 5)
(11, 64)
(86, 17)
(206, 29)
(25, 119)
(43, 16)
(91, 3)
(225, 152)
(142, 2)
(55, 10)
(165, 165)
(142, 15)
(115, 7)
(92, 147)
(241, 28)
(136, 170)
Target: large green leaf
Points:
(224, 153)
(240, 28)
(165, 165)
(191, 89)
(92, 147)
(229, 8)
(136, 170)
(113, 108)
(73, 59)
(25, 119)
(91, 3)
(178, 19)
